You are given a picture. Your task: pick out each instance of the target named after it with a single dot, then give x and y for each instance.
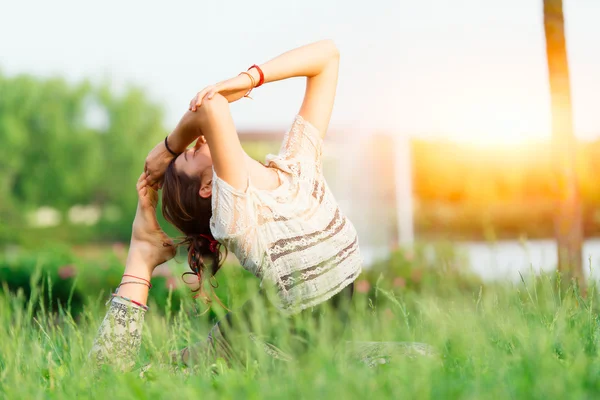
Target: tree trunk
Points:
(568, 225)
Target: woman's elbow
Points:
(333, 49)
(336, 51)
(209, 110)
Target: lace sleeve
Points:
(120, 335)
(303, 141)
(231, 210)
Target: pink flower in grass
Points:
(119, 249)
(162, 270)
(399, 282)
(67, 271)
(171, 283)
(388, 314)
(362, 286)
(416, 275)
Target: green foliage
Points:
(66, 144)
(62, 280)
(436, 268)
(528, 340)
(38, 277)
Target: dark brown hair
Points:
(183, 207)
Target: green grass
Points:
(499, 341)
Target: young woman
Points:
(280, 219)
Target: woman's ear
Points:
(206, 190)
(201, 141)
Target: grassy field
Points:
(519, 341)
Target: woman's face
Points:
(197, 162)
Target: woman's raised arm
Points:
(120, 334)
(309, 61)
(318, 62)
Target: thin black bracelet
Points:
(168, 149)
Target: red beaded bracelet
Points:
(260, 73)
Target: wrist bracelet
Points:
(136, 283)
(169, 149)
(260, 73)
(141, 279)
(252, 84)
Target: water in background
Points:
(504, 260)
(360, 173)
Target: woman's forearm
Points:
(309, 61)
(186, 131)
(136, 270)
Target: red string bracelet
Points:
(142, 279)
(133, 282)
(260, 73)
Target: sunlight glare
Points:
(497, 123)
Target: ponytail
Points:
(202, 248)
(190, 213)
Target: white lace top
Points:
(294, 236)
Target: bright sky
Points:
(464, 69)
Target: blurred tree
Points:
(568, 225)
(54, 154)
